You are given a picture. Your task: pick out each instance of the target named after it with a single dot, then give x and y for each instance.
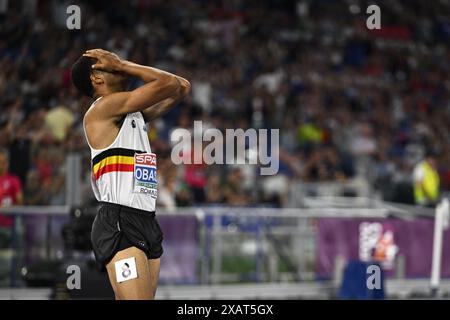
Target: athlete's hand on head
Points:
(106, 61)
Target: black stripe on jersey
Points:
(114, 152)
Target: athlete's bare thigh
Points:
(143, 287)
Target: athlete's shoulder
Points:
(98, 108)
(107, 106)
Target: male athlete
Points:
(126, 237)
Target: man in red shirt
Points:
(10, 188)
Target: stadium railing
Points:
(260, 247)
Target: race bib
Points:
(126, 269)
(145, 180)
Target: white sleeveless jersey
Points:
(125, 172)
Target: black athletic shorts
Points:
(118, 227)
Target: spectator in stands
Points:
(10, 186)
(59, 120)
(372, 95)
(234, 193)
(214, 192)
(426, 181)
(10, 190)
(35, 193)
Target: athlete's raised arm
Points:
(159, 85)
(162, 107)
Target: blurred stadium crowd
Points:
(349, 102)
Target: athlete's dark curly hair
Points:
(81, 71)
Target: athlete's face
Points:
(3, 164)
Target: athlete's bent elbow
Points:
(186, 87)
(171, 84)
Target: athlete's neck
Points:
(104, 92)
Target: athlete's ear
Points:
(97, 79)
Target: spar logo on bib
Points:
(145, 180)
